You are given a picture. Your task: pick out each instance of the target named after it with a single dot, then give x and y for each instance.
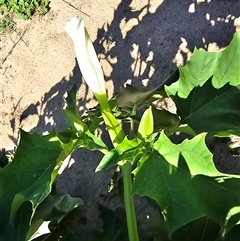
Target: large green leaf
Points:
(183, 180)
(30, 175)
(20, 224)
(206, 109)
(227, 69)
(222, 65)
(196, 72)
(207, 94)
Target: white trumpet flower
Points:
(87, 59)
(92, 73)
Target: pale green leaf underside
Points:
(195, 153)
(146, 125)
(223, 66)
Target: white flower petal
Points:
(86, 56)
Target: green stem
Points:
(117, 135)
(114, 129)
(129, 204)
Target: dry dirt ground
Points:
(137, 41)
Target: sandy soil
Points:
(37, 65)
(138, 42)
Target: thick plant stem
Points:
(129, 204)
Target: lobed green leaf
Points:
(206, 109)
(222, 66)
(28, 178)
(183, 180)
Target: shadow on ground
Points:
(141, 46)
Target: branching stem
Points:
(129, 204)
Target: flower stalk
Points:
(129, 203)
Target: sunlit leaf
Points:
(227, 69)
(183, 180)
(222, 65)
(146, 125)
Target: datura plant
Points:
(197, 201)
(93, 75)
